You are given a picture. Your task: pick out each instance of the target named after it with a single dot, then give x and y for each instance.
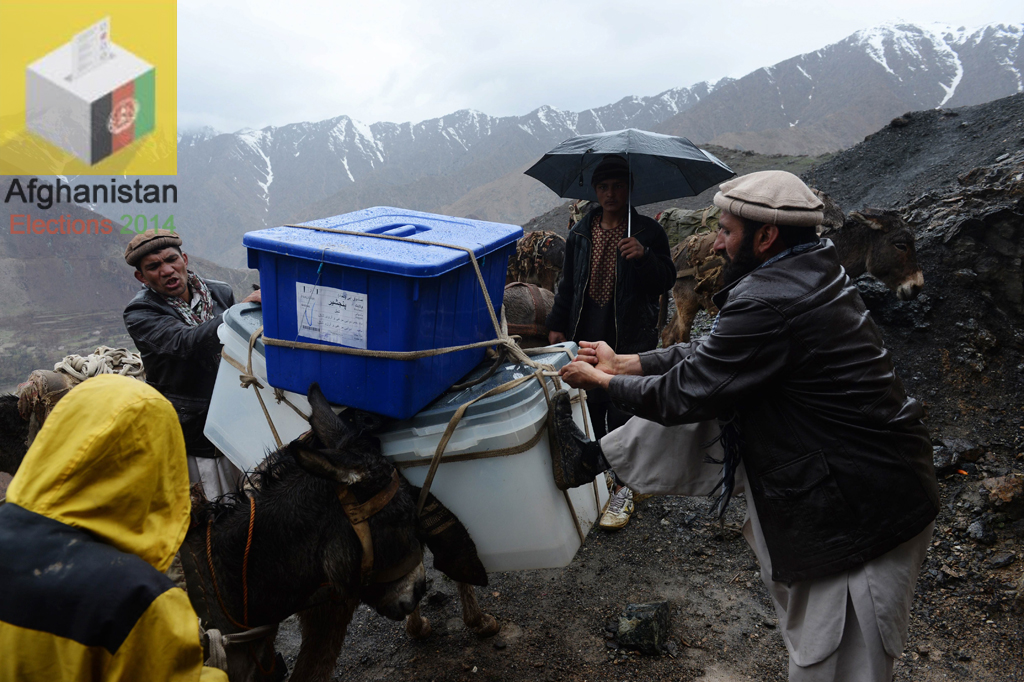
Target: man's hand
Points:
(556, 337)
(631, 249)
(254, 297)
(599, 354)
(585, 376)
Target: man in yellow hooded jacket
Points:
(93, 518)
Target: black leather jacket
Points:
(838, 460)
(181, 361)
(638, 284)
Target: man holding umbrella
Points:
(609, 292)
(617, 262)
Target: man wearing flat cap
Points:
(173, 321)
(609, 292)
(815, 428)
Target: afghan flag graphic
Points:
(123, 115)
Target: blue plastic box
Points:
(378, 294)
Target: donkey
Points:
(875, 241)
(295, 546)
(880, 243)
(13, 435)
(537, 260)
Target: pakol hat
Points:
(773, 197)
(611, 166)
(149, 242)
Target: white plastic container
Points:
(514, 513)
(235, 423)
(510, 505)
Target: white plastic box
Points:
(510, 505)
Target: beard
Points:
(744, 262)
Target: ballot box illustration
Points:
(90, 97)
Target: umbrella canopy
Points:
(663, 167)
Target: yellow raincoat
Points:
(93, 518)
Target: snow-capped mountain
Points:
(820, 101)
(232, 183)
(830, 99)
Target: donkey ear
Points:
(867, 220)
(326, 425)
(324, 466)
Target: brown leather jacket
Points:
(838, 459)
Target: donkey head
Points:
(340, 451)
(891, 257)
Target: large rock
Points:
(644, 627)
(1006, 494)
(964, 451)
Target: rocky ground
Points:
(957, 177)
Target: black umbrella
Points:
(663, 167)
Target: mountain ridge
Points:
(814, 103)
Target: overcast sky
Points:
(253, 63)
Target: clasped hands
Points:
(596, 364)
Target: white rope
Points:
(104, 360)
(218, 656)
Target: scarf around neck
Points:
(203, 309)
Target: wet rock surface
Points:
(644, 628)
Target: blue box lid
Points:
(387, 255)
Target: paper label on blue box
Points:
(331, 315)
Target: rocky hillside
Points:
(956, 176)
(830, 99)
(62, 294)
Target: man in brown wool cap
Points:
(173, 320)
(813, 425)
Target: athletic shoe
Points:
(620, 508)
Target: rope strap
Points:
(486, 454)
(709, 264)
(502, 337)
(383, 354)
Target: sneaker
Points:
(567, 442)
(619, 509)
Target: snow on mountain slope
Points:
(816, 102)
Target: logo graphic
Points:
(123, 117)
(91, 106)
(81, 97)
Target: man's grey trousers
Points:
(848, 626)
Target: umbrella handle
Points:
(629, 199)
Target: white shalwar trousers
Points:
(848, 626)
(217, 474)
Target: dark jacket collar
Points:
(583, 226)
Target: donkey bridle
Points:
(358, 514)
